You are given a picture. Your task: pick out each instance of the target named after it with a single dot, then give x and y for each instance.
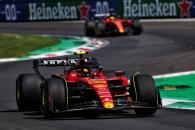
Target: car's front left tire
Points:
(100, 29)
(90, 28)
(137, 27)
(28, 92)
(143, 90)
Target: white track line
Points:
(174, 74)
(168, 20)
(149, 20)
(166, 102)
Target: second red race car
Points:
(84, 85)
(106, 24)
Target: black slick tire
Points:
(100, 29)
(137, 27)
(90, 28)
(54, 97)
(28, 92)
(144, 90)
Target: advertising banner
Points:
(159, 8)
(53, 10)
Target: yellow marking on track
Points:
(169, 87)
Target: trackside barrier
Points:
(52, 10)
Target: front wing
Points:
(118, 105)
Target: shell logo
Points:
(98, 82)
(99, 86)
(108, 105)
(121, 30)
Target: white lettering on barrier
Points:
(102, 7)
(44, 12)
(10, 12)
(150, 9)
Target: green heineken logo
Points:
(150, 9)
(54, 12)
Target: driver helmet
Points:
(85, 70)
(112, 17)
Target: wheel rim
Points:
(43, 100)
(18, 98)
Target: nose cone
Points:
(108, 105)
(121, 30)
(103, 92)
(119, 25)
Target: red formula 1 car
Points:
(111, 24)
(84, 85)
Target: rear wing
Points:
(89, 61)
(102, 15)
(66, 62)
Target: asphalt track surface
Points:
(163, 48)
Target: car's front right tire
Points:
(54, 97)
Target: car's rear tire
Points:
(137, 27)
(144, 90)
(54, 97)
(90, 28)
(28, 92)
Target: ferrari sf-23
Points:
(82, 85)
(106, 24)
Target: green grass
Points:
(14, 45)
